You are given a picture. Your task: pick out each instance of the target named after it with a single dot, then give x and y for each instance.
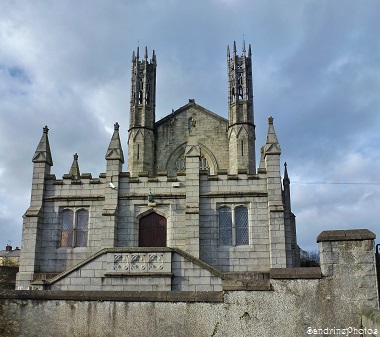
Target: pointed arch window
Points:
(74, 227)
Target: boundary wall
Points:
(298, 302)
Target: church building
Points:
(192, 206)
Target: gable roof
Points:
(187, 106)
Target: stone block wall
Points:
(349, 256)
(86, 192)
(210, 130)
(137, 269)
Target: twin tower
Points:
(142, 138)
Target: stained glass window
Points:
(225, 226)
(241, 223)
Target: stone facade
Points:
(191, 184)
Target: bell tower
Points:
(142, 115)
(241, 127)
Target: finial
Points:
(138, 51)
(116, 126)
(243, 45)
(234, 48)
(133, 56)
(228, 51)
(270, 120)
(76, 156)
(249, 51)
(146, 52)
(46, 129)
(154, 57)
(286, 176)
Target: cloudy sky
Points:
(316, 64)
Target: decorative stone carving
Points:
(141, 262)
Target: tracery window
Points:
(74, 224)
(233, 226)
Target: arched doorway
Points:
(152, 231)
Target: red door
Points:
(152, 231)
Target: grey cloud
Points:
(315, 64)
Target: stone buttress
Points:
(34, 216)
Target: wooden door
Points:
(152, 231)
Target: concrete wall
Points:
(296, 302)
(371, 321)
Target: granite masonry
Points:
(192, 198)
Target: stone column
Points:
(115, 160)
(192, 155)
(349, 257)
(33, 218)
(272, 152)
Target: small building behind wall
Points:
(192, 199)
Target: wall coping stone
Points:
(76, 198)
(296, 273)
(135, 196)
(120, 296)
(346, 235)
(241, 284)
(233, 194)
(118, 274)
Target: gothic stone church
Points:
(192, 207)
